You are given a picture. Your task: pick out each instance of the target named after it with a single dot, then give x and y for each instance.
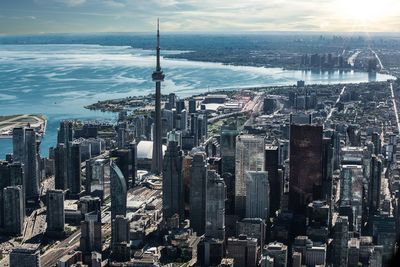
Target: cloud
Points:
(209, 15)
(113, 3)
(72, 3)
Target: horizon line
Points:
(303, 32)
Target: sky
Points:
(76, 16)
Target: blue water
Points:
(58, 80)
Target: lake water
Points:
(59, 80)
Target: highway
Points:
(379, 60)
(334, 106)
(353, 57)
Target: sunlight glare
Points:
(364, 11)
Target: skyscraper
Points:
(198, 193)
(31, 164)
(55, 212)
(19, 144)
(120, 244)
(215, 210)
(276, 185)
(74, 169)
(65, 133)
(91, 235)
(173, 202)
(158, 77)
(305, 150)
(118, 191)
(374, 187)
(27, 255)
(327, 169)
(133, 160)
(340, 241)
(14, 212)
(257, 195)
(60, 164)
(123, 159)
(243, 250)
(228, 146)
(249, 156)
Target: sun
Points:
(364, 11)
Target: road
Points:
(334, 106)
(353, 57)
(379, 60)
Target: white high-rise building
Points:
(249, 156)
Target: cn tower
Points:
(158, 77)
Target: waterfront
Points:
(59, 80)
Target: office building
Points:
(13, 213)
(374, 187)
(74, 169)
(215, 206)
(278, 252)
(133, 161)
(340, 241)
(26, 255)
(118, 191)
(32, 173)
(198, 193)
(305, 150)
(65, 133)
(192, 105)
(257, 195)
(327, 168)
(243, 250)
(123, 159)
(89, 204)
(228, 148)
(173, 202)
(19, 144)
(91, 235)
(120, 243)
(275, 183)
(249, 156)
(252, 227)
(210, 251)
(55, 213)
(61, 167)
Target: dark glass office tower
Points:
(305, 166)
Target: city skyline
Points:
(92, 16)
(225, 150)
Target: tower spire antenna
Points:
(158, 77)
(158, 32)
(158, 67)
